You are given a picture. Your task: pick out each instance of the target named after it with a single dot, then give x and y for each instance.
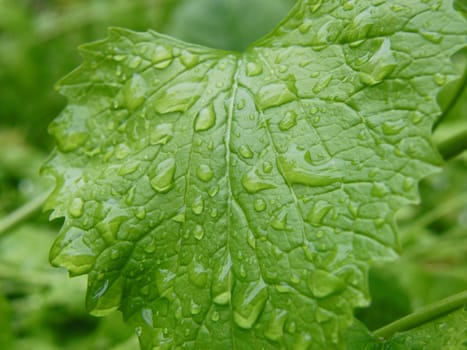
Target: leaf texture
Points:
(235, 200)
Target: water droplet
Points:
(215, 316)
(140, 213)
(318, 212)
(409, 184)
(379, 189)
(134, 92)
(188, 59)
(273, 95)
(348, 5)
(198, 233)
(241, 104)
(295, 279)
(297, 175)
(435, 38)
(114, 254)
(197, 274)
(214, 213)
(323, 283)
(135, 62)
(76, 207)
(128, 168)
(305, 27)
(280, 221)
(253, 68)
(248, 302)
(242, 271)
(275, 327)
(282, 68)
(246, 151)
(139, 331)
(440, 79)
(161, 134)
(147, 316)
(393, 127)
(204, 173)
(303, 341)
(161, 57)
(222, 284)
(198, 205)
(180, 216)
(267, 167)
(178, 97)
(251, 239)
(213, 191)
(379, 66)
(165, 171)
(101, 291)
(195, 309)
(253, 183)
(205, 119)
(119, 58)
(322, 84)
(314, 5)
(289, 121)
(150, 247)
(260, 205)
(122, 151)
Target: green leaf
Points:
(236, 200)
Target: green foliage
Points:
(238, 199)
(238, 196)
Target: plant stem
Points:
(453, 146)
(423, 315)
(22, 213)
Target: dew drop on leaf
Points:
(205, 119)
(323, 283)
(289, 121)
(204, 172)
(165, 171)
(198, 205)
(275, 327)
(260, 205)
(246, 152)
(253, 69)
(253, 183)
(161, 134)
(273, 95)
(76, 207)
(215, 316)
(188, 59)
(198, 232)
(134, 92)
(248, 302)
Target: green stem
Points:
(423, 315)
(453, 146)
(22, 213)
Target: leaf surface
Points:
(227, 200)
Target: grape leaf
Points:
(236, 200)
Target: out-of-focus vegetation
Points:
(40, 308)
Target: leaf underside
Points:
(227, 200)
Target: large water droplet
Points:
(195, 309)
(260, 205)
(379, 66)
(205, 119)
(222, 283)
(440, 79)
(253, 183)
(198, 205)
(323, 283)
(76, 207)
(179, 97)
(273, 95)
(198, 232)
(253, 68)
(204, 173)
(318, 212)
(298, 175)
(248, 302)
(434, 37)
(275, 328)
(128, 168)
(246, 152)
(188, 59)
(165, 171)
(289, 121)
(393, 127)
(161, 57)
(280, 221)
(197, 274)
(161, 134)
(180, 216)
(134, 92)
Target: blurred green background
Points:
(40, 307)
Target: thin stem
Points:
(453, 146)
(22, 213)
(425, 314)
